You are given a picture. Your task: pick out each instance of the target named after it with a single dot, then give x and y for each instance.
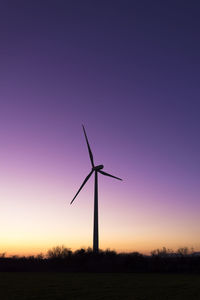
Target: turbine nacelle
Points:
(97, 168)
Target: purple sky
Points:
(127, 70)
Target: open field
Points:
(57, 286)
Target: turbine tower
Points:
(95, 170)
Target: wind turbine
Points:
(95, 170)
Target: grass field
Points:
(57, 286)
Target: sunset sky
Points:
(129, 71)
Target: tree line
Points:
(64, 259)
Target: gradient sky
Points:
(130, 72)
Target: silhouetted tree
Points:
(59, 252)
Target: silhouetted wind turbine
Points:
(96, 169)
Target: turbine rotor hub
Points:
(97, 168)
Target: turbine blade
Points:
(89, 149)
(84, 182)
(106, 174)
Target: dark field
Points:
(68, 286)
